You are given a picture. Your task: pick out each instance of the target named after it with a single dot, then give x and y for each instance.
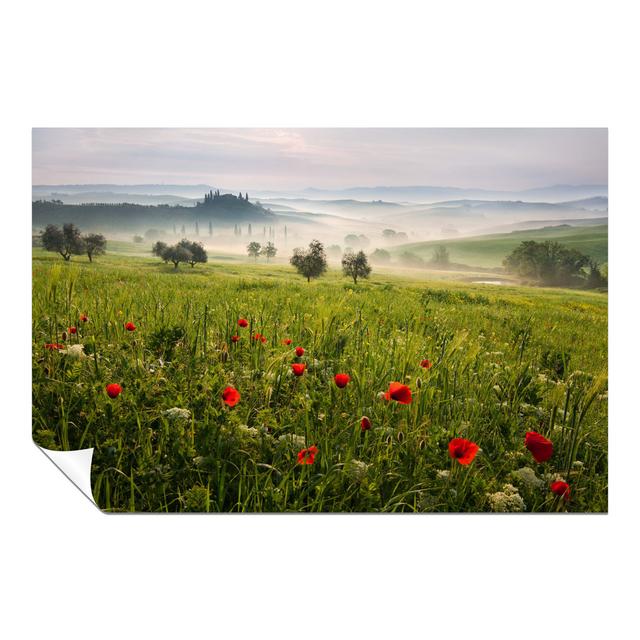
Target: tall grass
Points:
(491, 382)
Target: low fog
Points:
(227, 225)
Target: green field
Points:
(506, 360)
(490, 250)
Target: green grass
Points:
(497, 354)
(490, 250)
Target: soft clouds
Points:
(332, 158)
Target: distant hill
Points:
(340, 206)
(225, 211)
(598, 203)
(480, 216)
(110, 197)
(42, 191)
(429, 194)
(538, 224)
(490, 250)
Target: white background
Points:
(70, 572)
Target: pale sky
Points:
(501, 159)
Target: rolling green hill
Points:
(490, 250)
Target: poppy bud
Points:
(419, 383)
(63, 336)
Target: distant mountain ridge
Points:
(417, 193)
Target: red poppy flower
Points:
(129, 326)
(287, 341)
(83, 317)
(299, 352)
(342, 380)
(53, 346)
(243, 323)
(298, 368)
(365, 423)
(398, 392)
(73, 330)
(560, 488)
(231, 396)
(426, 364)
(113, 390)
(260, 337)
(464, 451)
(541, 448)
(307, 456)
(235, 338)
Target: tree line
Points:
(552, 264)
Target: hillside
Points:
(225, 210)
(490, 250)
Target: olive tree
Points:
(311, 262)
(355, 265)
(95, 244)
(66, 241)
(197, 251)
(253, 250)
(269, 250)
(176, 253)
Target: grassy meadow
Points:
(505, 360)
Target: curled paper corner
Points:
(76, 466)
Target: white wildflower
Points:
(250, 431)
(443, 473)
(293, 440)
(75, 351)
(356, 469)
(506, 501)
(176, 413)
(528, 477)
(554, 477)
(578, 464)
